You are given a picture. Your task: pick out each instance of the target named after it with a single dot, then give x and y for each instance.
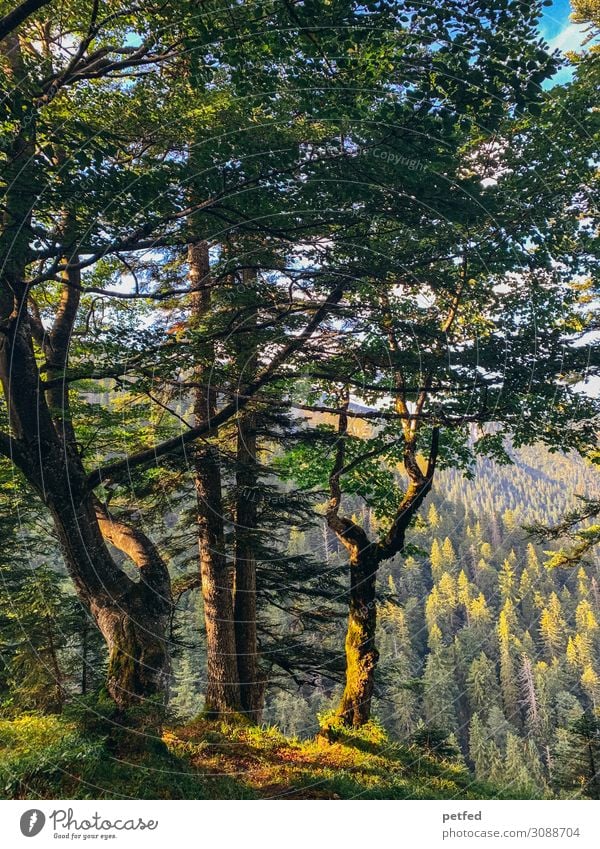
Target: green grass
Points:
(45, 757)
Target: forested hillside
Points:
(489, 657)
(478, 637)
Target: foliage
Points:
(398, 301)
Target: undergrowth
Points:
(59, 757)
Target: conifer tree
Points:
(577, 760)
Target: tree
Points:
(577, 767)
(436, 559)
(529, 697)
(552, 626)
(482, 685)
(406, 346)
(508, 671)
(440, 691)
(578, 528)
(38, 153)
(68, 148)
(39, 622)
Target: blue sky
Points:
(561, 33)
(555, 19)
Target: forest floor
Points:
(45, 757)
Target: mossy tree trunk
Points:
(361, 653)
(365, 556)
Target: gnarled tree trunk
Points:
(364, 559)
(42, 442)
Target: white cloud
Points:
(569, 38)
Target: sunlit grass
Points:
(53, 757)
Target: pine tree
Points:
(552, 626)
(479, 747)
(482, 685)
(519, 775)
(436, 559)
(440, 693)
(526, 597)
(448, 554)
(585, 618)
(507, 581)
(590, 681)
(433, 517)
(578, 758)
(508, 673)
(186, 700)
(47, 650)
(463, 593)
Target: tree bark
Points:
(361, 653)
(251, 680)
(222, 686)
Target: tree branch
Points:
(17, 16)
(351, 535)
(178, 443)
(418, 489)
(139, 548)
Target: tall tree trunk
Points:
(251, 679)
(361, 653)
(222, 686)
(252, 683)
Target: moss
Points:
(369, 736)
(361, 661)
(121, 667)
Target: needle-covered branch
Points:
(178, 443)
